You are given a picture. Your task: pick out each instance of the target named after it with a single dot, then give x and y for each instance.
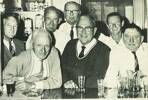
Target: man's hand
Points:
(70, 84)
(21, 85)
(34, 78)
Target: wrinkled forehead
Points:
(51, 14)
(71, 6)
(114, 19)
(85, 21)
(131, 32)
(11, 20)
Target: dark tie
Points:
(82, 52)
(11, 48)
(136, 61)
(71, 33)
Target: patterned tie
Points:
(82, 52)
(71, 33)
(136, 62)
(11, 48)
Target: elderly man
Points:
(52, 19)
(38, 67)
(131, 56)
(11, 46)
(115, 24)
(84, 56)
(67, 30)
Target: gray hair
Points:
(36, 33)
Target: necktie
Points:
(71, 33)
(82, 52)
(11, 48)
(41, 71)
(136, 62)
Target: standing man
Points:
(132, 55)
(52, 19)
(38, 67)
(84, 56)
(67, 30)
(115, 24)
(11, 46)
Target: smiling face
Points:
(85, 30)
(51, 21)
(132, 39)
(41, 45)
(72, 13)
(10, 27)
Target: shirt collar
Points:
(89, 46)
(34, 56)
(7, 43)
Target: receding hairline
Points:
(91, 20)
(74, 3)
(41, 33)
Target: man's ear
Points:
(142, 39)
(107, 25)
(122, 23)
(60, 20)
(95, 30)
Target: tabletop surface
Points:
(61, 93)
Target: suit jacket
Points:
(19, 47)
(20, 66)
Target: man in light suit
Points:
(10, 46)
(36, 68)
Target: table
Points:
(62, 93)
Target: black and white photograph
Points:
(73, 49)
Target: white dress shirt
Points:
(88, 47)
(62, 36)
(122, 59)
(6, 43)
(108, 41)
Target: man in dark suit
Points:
(11, 46)
(84, 56)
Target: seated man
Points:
(84, 56)
(11, 46)
(132, 56)
(38, 67)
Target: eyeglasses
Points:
(84, 28)
(72, 11)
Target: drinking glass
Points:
(100, 88)
(81, 81)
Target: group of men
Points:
(55, 57)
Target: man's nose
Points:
(131, 39)
(71, 13)
(83, 30)
(43, 49)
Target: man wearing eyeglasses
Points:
(84, 56)
(68, 29)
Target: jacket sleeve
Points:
(13, 68)
(55, 78)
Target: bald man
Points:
(38, 67)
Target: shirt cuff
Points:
(39, 85)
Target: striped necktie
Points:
(11, 48)
(136, 61)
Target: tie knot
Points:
(133, 52)
(71, 27)
(83, 47)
